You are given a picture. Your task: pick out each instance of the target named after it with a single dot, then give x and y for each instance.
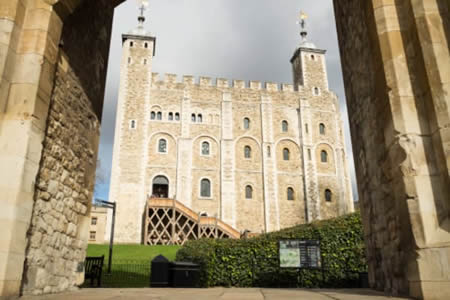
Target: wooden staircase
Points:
(169, 222)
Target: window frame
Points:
(284, 126)
(288, 152)
(210, 188)
(170, 116)
(153, 115)
(133, 124)
(90, 235)
(248, 188)
(246, 123)
(249, 152)
(330, 193)
(159, 116)
(322, 129)
(158, 144)
(177, 116)
(288, 190)
(94, 221)
(322, 153)
(201, 148)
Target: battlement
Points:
(203, 81)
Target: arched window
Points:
(205, 148)
(193, 118)
(247, 152)
(316, 91)
(248, 192)
(268, 151)
(205, 188)
(177, 117)
(200, 118)
(146, 45)
(286, 154)
(131, 44)
(328, 195)
(246, 123)
(284, 126)
(322, 128)
(159, 115)
(290, 193)
(313, 57)
(170, 116)
(324, 156)
(162, 146)
(152, 115)
(133, 124)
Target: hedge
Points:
(254, 262)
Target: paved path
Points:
(215, 293)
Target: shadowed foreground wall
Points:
(396, 70)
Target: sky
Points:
(234, 39)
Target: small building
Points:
(97, 226)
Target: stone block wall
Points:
(57, 236)
(396, 99)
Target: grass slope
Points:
(133, 252)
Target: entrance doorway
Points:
(160, 187)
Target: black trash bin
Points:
(363, 280)
(160, 272)
(184, 274)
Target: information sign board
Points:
(300, 254)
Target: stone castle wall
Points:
(58, 234)
(219, 110)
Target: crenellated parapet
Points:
(170, 81)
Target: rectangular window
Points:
(133, 124)
(306, 128)
(92, 235)
(94, 221)
(309, 154)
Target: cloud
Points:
(234, 39)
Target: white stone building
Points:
(260, 157)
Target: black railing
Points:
(125, 274)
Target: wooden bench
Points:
(93, 267)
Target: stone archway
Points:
(160, 187)
(53, 58)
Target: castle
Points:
(259, 157)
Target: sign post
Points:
(111, 205)
(300, 254)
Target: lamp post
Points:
(111, 205)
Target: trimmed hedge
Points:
(254, 262)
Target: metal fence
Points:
(125, 274)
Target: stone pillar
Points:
(228, 208)
(30, 33)
(271, 205)
(312, 201)
(184, 159)
(395, 67)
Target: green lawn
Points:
(134, 252)
(130, 265)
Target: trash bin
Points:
(184, 274)
(159, 272)
(363, 280)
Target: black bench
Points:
(93, 267)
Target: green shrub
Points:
(254, 262)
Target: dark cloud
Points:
(234, 39)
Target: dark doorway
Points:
(160, 188)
